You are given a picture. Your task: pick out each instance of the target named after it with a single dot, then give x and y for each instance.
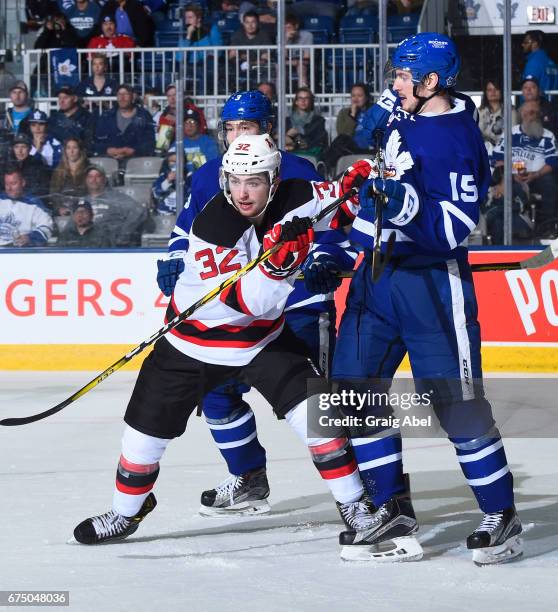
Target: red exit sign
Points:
(540, 14)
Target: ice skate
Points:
(238, 496)
(382, 535)
(496, 539)
(111, 525)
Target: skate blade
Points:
(250, 508)
(401, 549)
(494, 555)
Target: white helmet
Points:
(251, 154)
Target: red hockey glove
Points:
(355, 175)
(297, 237)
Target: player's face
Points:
(403, 87)
(249, 193)
(233, 129)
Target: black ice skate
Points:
(111, 525)
(238, 496)
(496, 539)
(382, 535)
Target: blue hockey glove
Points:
(321, 274)
(394, 191)
(168, 271)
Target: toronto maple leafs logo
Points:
(501, 7)
(470, 9)
(396, 162)
(66, 68)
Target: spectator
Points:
(98, 84)
(531, 93)
(269, 90)
(68, 178)
(123, 217)
(16, 118)
(196, 34)
(166, 119)
(404, 7)
(83, 16)
(226, 6)
(347, 121)
(198, 148)
(71, 119)
(249, 35)
(306, 133)
(164, 187)
(57, 34)
(43, 146)
(538, 66)
(35, 172)
(126, 130)
(298, 58)
(266, 10)
(491, 114)
(24, 221)
(109, 39)
(534, 159)
(81, 232)
(132, 19)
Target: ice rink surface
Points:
(61, 470)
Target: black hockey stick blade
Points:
(13, 421)
(383, 259)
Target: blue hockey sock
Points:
(486, 470)
(233, 427)
(380, 465)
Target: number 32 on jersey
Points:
(218, 261)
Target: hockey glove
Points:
(168, 271)
(297, 237)
(354, 176)
(321, 273)
(401, 205)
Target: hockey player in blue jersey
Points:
(310, 315)
(436, 176)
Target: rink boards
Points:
(84, 310)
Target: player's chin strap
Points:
(422, 99)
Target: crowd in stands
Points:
(59, 187)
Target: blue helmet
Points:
(428, 52)
(249, 105)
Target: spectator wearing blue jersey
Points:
(534, 159)
(98, 84)
(84, 17)
(126, 130)
(531, 92)
(43, 145)
(198, 148)
(71, 120)
(539, 65)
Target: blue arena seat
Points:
(322, 28)
(401, 26)
(358, 29)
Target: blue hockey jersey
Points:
(442, 162)
(205, 185)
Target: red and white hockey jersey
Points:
(232, 328)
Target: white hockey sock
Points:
(138, 469)
(332, 457)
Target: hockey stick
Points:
(171, 324)
(540, 260)
(379, 259)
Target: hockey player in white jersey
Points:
(240, 334)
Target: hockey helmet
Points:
(251, 154)
(424, 53)
(248, 105)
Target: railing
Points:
(219, 71)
